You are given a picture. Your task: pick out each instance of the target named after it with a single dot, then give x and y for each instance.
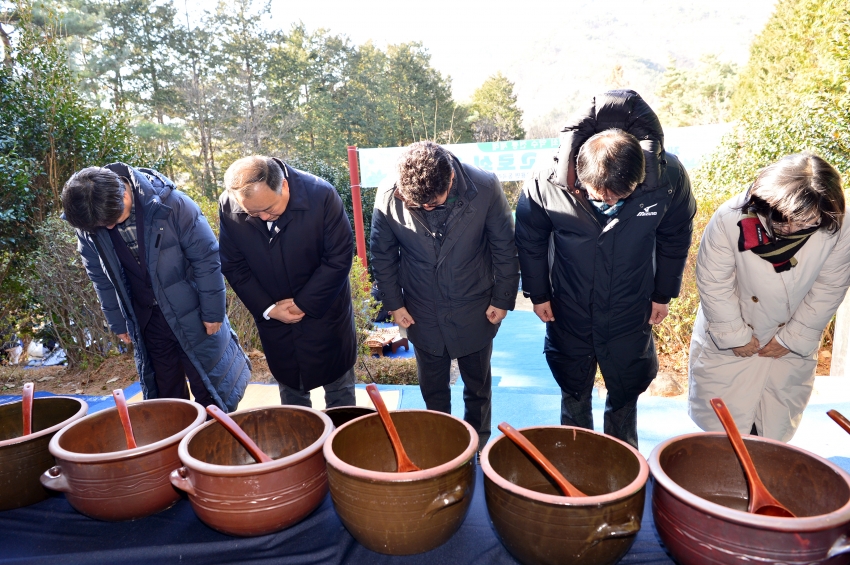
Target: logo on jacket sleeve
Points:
(646, 212)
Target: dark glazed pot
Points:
(103, 479)
(234, 494)
(699, 484)
(24, 459)
(402, 513)
(539, 525)
(344, 414)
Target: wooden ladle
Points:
(761, 501)
(566, 486)
(26, 407)
(238, 433)
(840, 420)
(124, 414)
(403, 462)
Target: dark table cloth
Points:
(51, 532)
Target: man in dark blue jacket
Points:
(603, 236)
(153, 259)
(286, 249)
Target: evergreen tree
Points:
(792, 96)
(702, 95)
(494, 115)
(421, 98)
(241, 60)
(801, 51)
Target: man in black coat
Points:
(286, 249)
(445, 265)
(603, 237)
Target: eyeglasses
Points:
(786, 228)
(782, 226)
(428, 206)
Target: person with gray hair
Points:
(153, 260)
(772, 269)
(286, 250)
(603, 236)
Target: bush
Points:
(48, 132)
(63, 292)
(673, 335)
(386, 370)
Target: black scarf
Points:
(780, 251)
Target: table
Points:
(51, 532)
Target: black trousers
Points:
(435, 384)
(620, 423)
(171, 365)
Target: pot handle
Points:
(55, 480)
(607, 531)
(180, 479)
(445, 500)
(841, 545)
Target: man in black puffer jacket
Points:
(603, 237)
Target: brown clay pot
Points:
(24, 459)
(700, 499)
(344, 414)
(103, 479)
(234, 494)
(402, 513)
(539, 525)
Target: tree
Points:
(198, 89)
(422, 98)
(702, 95)
(801, 51)
(50, 131)
(494, 115)
(788, 98)
(241, 62)
(308, 74)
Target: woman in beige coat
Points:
(772, 269)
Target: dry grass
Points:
(63, 380)
(386, 370)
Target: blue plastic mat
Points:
(96, 403)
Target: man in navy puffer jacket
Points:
(154, 262)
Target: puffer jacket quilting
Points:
(601, 279)
(182, 256)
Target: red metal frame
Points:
(357, 204)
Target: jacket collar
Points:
(466, 189)
(151, 196)
(298, 201)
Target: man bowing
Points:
(286, 249)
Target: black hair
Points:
(612, 160)
(424, 173)
(93, 198)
